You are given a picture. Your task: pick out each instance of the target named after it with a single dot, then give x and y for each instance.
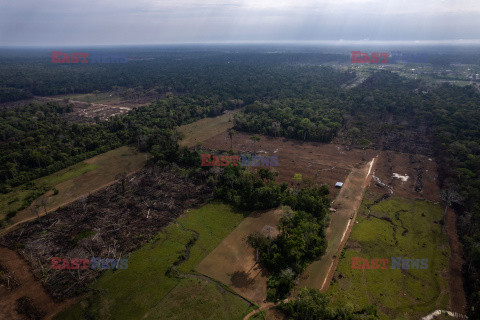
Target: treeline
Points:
(394, 113)
(302, 230)
(407, 115)
(442, 121)
(313, 120)
(315, 113)
(241, 74)
(13, 94)
(359, 112)
(457, 117)
(36, 141)
(311, 304)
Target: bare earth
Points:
(416, 177)
(28, 286)
(420, 173)
(457, 294)
(110, 164)
(323, 163)
(319, 273)
(233, 261)
(203, 129)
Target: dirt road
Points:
(458, 301)
(28, 286)
(319, 273)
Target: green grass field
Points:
(72, 182)
(411, 233)
(14, 200)
(102, 97)
(143, 291)
(199, 131)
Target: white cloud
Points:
(157, 21)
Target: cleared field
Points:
(233, 261)
(143, 291)
(26, 285)
(102, 105)
(396, 227)
(203, 129)
(322, 163)
(318, 274)
(102, 97)
(81, 179)
(410, 176)
(14, 200)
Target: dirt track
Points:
(457, 294)
(28, 286)
(319, 273)
(411, 176)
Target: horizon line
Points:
(339, 42)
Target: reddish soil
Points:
(320, 272)
(86, 112)
(233, 262)
(28, 286)
(323, 163)
(329, 163)
(457, 294)
(421, 171)
(109, 223)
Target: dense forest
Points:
(246, 72)
(240, 74)
(36, 141)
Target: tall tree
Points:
(231, 133)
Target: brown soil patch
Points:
(457, 293)
(110, 165)
(329, 163)
(233, 263)
(86, 112)
(109, 223)
(241, 279)
(323, 163)
(421, 171)
(28, 287)
(203, 129)
(319, 273)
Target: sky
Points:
(125, 22)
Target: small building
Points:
(338, 184)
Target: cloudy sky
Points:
(91, 22)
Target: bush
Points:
(11, 214)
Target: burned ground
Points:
(406, 132)
(109, 223)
